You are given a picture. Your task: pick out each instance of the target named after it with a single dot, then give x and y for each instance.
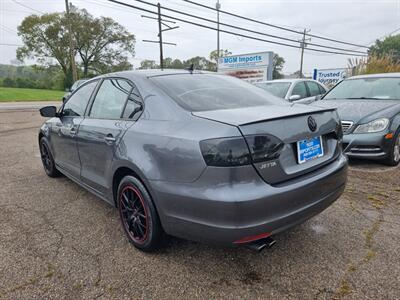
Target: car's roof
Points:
(289, 80)
(381, 75)
(156, 72)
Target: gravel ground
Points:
(59, 241)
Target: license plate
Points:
(309, 149)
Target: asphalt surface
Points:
(59, 241)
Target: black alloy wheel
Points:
(47, 159)
(138, 215)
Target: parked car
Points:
(369, 107)
(76, 84)
(197, 155)
(294, 90)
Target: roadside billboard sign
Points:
(330, 77)
(252, 67)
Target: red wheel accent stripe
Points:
(137, 192)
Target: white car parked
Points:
(298, 90)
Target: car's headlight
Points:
(373, 126)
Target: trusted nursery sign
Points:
(251, 67)
(330, 77)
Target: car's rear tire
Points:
(394, 156)
(47, 158)
(138, 215)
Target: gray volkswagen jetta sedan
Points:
(197, 155)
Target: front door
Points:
(65, 129)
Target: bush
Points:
(374, 65)
(8, 82)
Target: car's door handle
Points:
(109, 139)
(72, 131)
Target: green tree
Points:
(101, 44)
(389, 47)
(214, 57)
(278, 62)
(222, 52)
(8, 82)
(45, 40)
(148, 64)
(200, 63)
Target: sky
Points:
(358, 22)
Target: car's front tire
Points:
(394, 156)
(47, 158)
(138, 215)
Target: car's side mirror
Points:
(68, 90)
(48, 111)
(294, 98)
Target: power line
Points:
(248, 30)
(276, 26)
(12, 45)
(230, 32)
(28, 7)
(10, 30)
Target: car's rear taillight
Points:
(237, 151)
(225, 152)
(264, 147)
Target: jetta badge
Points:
(312, 124)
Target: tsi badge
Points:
(266, 165)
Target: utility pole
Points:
(218, 7)
(303, 45)
(160, 36)
(71, 45)
(160, 31)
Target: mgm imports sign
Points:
(252, 67)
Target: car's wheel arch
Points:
(395, 123)
(125, 168)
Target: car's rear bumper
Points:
(215, 209)
(367, 145)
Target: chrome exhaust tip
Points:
(261, 244)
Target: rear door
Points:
(63, 133)
(112, 111)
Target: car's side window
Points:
(76, 104)
(314, 88)
(322, 89)
(110, 99)
(300, 89)
(134, 105)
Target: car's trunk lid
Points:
(289, 123)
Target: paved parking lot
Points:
(58, 241)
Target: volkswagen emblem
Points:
(312, 124)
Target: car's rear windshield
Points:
(376, 88)
(203, 92)
(278, 89)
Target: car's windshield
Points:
(202, 92)
(366, 88)
(278, 89)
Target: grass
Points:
(17, 94)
